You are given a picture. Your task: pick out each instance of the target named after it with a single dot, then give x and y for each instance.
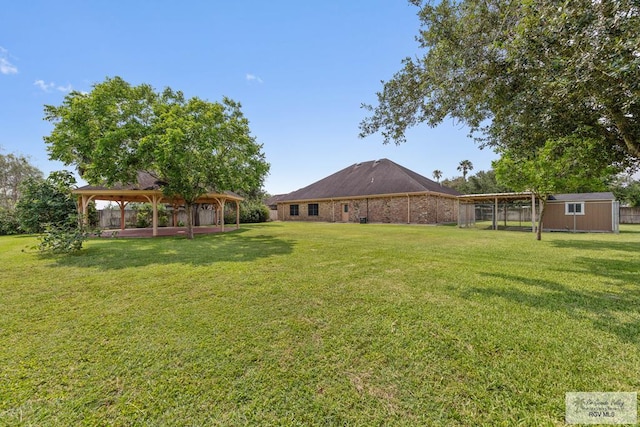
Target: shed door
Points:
(345, 212)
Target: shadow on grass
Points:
(597, 245)
(114, 254)
(602, 307)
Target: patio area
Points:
(162, 231)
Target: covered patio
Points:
(467, 205)
(148, 190)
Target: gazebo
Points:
(148, 190)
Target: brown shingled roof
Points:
(145, 181)
(367, 179)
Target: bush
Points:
(250, 212)
(144, 215)
(62, 239)
(8, 222)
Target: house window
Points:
(294, 210)
(346, 208)
(574, 208)
(313, 209)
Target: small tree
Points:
(437, 174)
(14, 170)
(563, 165)
(47, 202)
(48, 207)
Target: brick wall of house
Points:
(422, 209)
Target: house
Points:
(591, 212)
(374, 191)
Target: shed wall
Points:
(598, 216)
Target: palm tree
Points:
(465, 166)
(437, 174)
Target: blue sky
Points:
(300, 69)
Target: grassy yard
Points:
(318, 324)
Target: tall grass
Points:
(318, 324)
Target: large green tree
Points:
(519, 73)
(100, 132)
(192, 146)
(564, 165)
(197, 146)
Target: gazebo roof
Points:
(146, 187)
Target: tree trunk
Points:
(189, 207)
(543, 202)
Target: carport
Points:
(467, 207)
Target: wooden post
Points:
(237, 215)
(155, 215)
(221, 202)
(533, 212)
(122, 205)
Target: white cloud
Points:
(44, 86)
(47, 87)
(66, 88)
(6, 67)
(253, 78)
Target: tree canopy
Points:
(520, 73)
(192, 146)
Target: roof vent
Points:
(376, 162)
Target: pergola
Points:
(469, 200)
(148, 190)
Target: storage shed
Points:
(582, 212)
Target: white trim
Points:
(574, 204)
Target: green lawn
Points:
(318, 324)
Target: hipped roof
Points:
(146, 185)
(376, 177)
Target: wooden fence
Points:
(629, 215)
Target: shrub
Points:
(8, 222)
(250, 212)
(144, 215)
(62, 239)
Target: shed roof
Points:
(607, 195)
(375, 177)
